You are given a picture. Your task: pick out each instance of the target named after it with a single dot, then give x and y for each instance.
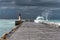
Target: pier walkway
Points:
(34, 31)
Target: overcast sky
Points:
(28, 7)
(48, 3)
(54, 1)
(41, 3)
(51, 3)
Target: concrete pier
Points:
(34, 31)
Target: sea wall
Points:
(19, 23)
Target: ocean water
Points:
(56, 21)
(6, 26)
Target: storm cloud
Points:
(45, 3)
(29, 8)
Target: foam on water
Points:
(55, 21)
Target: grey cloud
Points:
(37, 1)
(50, 0)
(6, 0)
(45, 3)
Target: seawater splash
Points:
(46, 13)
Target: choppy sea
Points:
(6, 26)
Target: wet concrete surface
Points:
(34, 31)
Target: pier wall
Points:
(28, 24)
